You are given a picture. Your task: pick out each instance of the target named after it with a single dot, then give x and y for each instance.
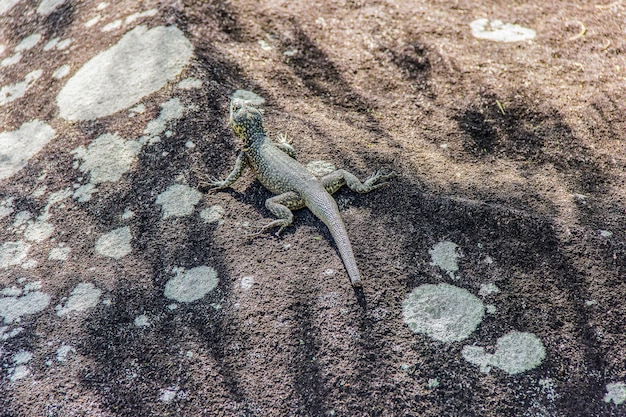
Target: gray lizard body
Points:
(275, 166)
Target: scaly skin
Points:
(274, 165)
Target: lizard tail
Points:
(327, 211)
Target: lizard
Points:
(293, 186)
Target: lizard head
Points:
(246, 120)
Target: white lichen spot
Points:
(32, 286)
(191, 285)
(11, 291)
(91, 22)
(139, 64)
(84, 296)
(490, 308)
(63, 352)
(488, 289)
(6, 5)
(28, 42)
(178, 201)
(189, 84)
(116, 24)
(13, 253)
(12, 92)
(264, 45)
(18, 146)
(84, 192)
(107, 158)
(38, 231)
(168, 394)
(190, 145)
(4, 335)
(213, 214)
(29, 264)
(499, 31)
(11, 60)
(64, 44)
(115, 244)
(21, 219)
(444, 312)
(615, 392)
(48, 6)
(138, 15)
(249, 97)
(51, 44)
(13, 308)
(142, 321)
(445, 255)
(515, 352)
(61, 72)
(606, 233)
(170, 110)
(247, 282)
(20, 370)
(6, 205)
(60, 253)
(320, 168)
(433, 383)
(128, 214)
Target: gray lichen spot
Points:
(320, 168)
(516, 352)
(61, 72)
(13, 253)
(6, 207)
(444, 312)
(498, 31)
(115, 244)
(170, 110)
(213, 214)
(38, 231)
(189, 84)
(48, 6)
(615, 392)
(63, 352)
(7, 5)
(191, 285)
(60, 253)
(28, 42)
(12, 92)
(140, 63)
(488, 289)
(18, 146)
(107, 158)
(84, 296)
(13, 308)
(444, 255)
(178, 201)
(249, 97)
(142, 321)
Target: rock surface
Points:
(124, 291)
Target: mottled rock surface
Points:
(125, 291)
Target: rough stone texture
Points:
(513, 151)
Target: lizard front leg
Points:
(214, 184)
(336, 179)
(281, 206)
(285, 146)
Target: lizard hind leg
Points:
(281, 206)
(336, 179)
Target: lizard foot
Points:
(264, 228)
(372, 182)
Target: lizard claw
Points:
(211, 184)
(372, 182)
(283, 138)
